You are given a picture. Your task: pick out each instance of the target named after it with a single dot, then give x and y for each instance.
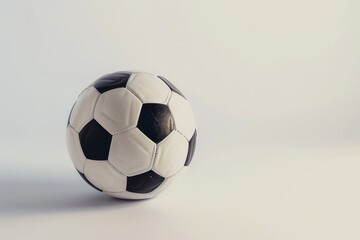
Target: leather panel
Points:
(95, 141)
(132, 152)
(155, 121)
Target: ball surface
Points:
(130, 133)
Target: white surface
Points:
(174, 147)
(132, 152)
(183, 115)
(148, 88)
(83, 111)
(105, 176)
(109, 110)
(74, 149)
(275, 90)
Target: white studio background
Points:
(275, 87)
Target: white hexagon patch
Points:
(117, 110)
(83, 110)
(132, 152)
(171, 155)
(148, 88)
(183, 115)
(104, 176)
(74, 149)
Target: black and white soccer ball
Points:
(129, 134)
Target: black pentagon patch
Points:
(171, 86)
(156, 121)
(87, 180)
(112, 81)
(191, 150)
(95, 141)
(144, 183)
(68, 122)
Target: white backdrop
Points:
(275, 87)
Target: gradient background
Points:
(275, 87)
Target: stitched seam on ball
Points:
(114, 192)
(131, 77)
(72, 127)
(111, 165)
(124, 131)
(175, 173)
(155, 155)
(85, 90)
(168, 98)
(129, 81)
(83, 166)
(145, 73)
(171, 111)
(96, 101)
(92, 183)
(135, 95)
(182, 135)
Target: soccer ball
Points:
(129, 134)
